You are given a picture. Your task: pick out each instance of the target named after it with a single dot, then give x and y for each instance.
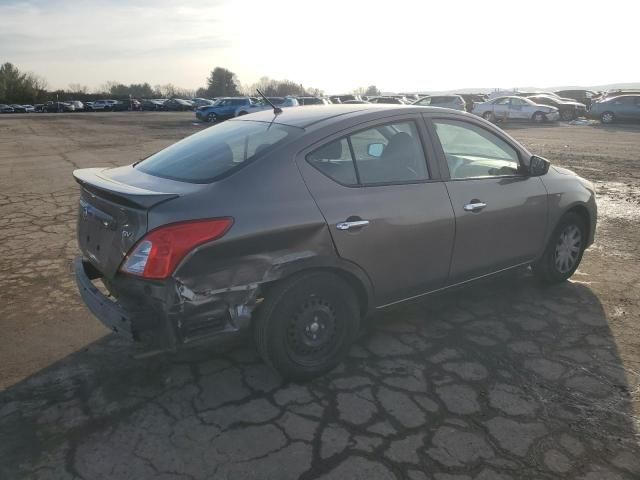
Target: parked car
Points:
(222, 109)
(616, 109)
(103, 105)
(78, 106)
(152, 104)
(344, 98)
(18, 108)
(569, 110)
(58, 107)
(193, 242)
(5, 108)
(201, 102)
(443, 101)
(355, 102)
(39, 107)
(29, 108)
(313, 101)
(515, 108)
(88, 106)
(177, 105)
(587, 97)
(388, 100)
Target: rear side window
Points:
(383, 154)
(334, 160)
(205, 156)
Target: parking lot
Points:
(505, 379)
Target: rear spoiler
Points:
(95, 181)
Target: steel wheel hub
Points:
(313, 328)
(568, 248)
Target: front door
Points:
(501, 214)
(384, 210)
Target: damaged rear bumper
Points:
(110, 313)
(165, 315)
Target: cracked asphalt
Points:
(504, 379)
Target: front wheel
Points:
(539, 117)
(306, 325)
(564, 250)
(212, 117)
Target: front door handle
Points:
(474, 206)
(350, 225)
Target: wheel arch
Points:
(583, 212)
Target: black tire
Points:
(607, 117)
(212, 118)
(539, 117)
(306, 324)
(550, 268)
(241, 113)
(489, 117)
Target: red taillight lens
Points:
(159, 252)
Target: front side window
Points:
(203, 157)
(425, 102)
(390, 153)
(473, 152)
(501, 101)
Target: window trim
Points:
(423, 135)
(444, 166)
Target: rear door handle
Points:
(474, 206)
(350, 225)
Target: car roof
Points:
(304, 117)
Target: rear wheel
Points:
(564, 250)
(489, 116)
(306, 325)
(539, 117)
(607, 117)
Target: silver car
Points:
(616, 109)
(515, 108)
(455, 102)
(297, 226)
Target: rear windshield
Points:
(216, 151)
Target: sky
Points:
(334, 45)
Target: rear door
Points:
(387, 210)
(501, 214)
(501, 108)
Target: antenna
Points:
(276, 110)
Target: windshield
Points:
(205, 156)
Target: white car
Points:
(103, 104)
(515, 108)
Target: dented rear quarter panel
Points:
(277, 231)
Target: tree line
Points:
(25, 87)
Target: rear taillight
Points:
(160, 251)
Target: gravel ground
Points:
(504, 379)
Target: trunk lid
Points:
(112, 215)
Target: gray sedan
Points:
(615, 109)
(296, 227)
(515, 108)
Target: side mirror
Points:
(538, 166)
(375, 149)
